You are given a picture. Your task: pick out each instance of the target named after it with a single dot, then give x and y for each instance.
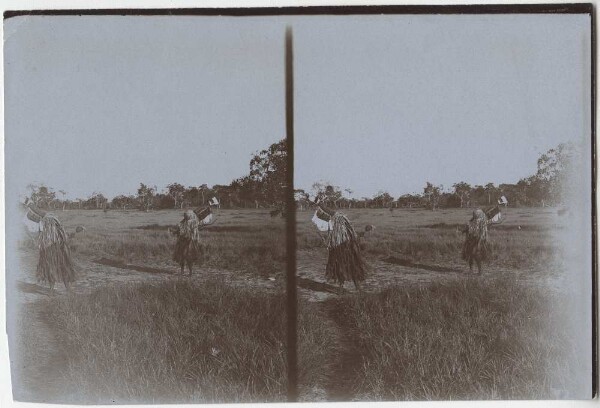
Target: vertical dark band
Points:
(594, 220)
(292, 376)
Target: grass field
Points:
(174, 342)
(422, 329)
(425, 328)
(464, 340)
(523, 240)
(135, 331)
(243, 240)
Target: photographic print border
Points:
(474, 9)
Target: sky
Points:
(390, 102)
(102, 103)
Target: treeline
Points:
(544, 188)
(263, 186)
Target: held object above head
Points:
(492, 215)
(202, 212)
(205, 215)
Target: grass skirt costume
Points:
(345, 261)
(55, 263)
(188, 248)
(476, 246)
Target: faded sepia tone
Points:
(146, 164)
(442, 188)
(454, 154)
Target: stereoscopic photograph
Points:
(302, 204)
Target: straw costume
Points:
(476, 247)
(188, 248)
(345, 261)
(55, 263)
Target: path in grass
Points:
(346, 361)
(384, 272)
(38, 358)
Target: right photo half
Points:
(443, 187)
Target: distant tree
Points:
(536, 190)
(462, 191)
(95, 201)
(176, 191)
(227, 195)
(145, 194)
(100, 200)
(510, 192)
(191, 196)
(432, 195)
(520, 192)
(301, 198)
(554, 170)
(247, 190)
(383, 199)
(163, 201)
(490, 189)
(477, 195)
(268, 171)
(203, 189)
(123, 202)
(409, 200)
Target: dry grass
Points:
(434, 236)
(489, 337)
(317, 341)
(173, 342)
(474, 339)
(180, 342)
(245, 240)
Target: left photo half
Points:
(145, 178)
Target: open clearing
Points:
(127, 251)
(410, 246)
(423, 327)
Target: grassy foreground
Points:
(465, 340)
(174, 342)
(183, 342)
